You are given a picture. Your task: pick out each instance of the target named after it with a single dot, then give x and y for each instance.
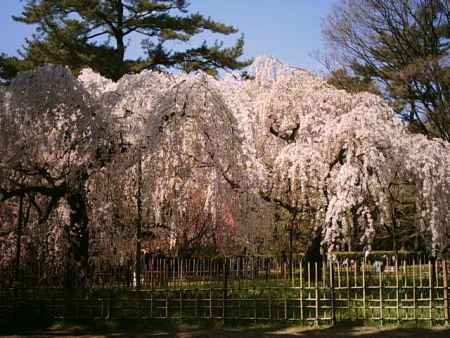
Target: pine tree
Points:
(341, 79)
(94, 33)
(9, 66)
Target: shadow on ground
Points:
(288, 332)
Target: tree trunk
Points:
(120, 43)
(77, 234)
(291, 249)
(313, 256)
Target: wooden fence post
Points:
(166, 315)
(430, 285)
(397, 290)
(301, 291)
(445, 286)
(225, 288)
(151, 303)
(210, 303)
(196, 305)
(333, 305)
(414, 290)
(181, 303)
(138, 267)
(380, 285)
(316, 277)
(364, 287)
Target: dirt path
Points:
(292, 332)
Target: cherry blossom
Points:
(190, 154)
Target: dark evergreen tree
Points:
(341, 79)
(9, 66)
(95, 33)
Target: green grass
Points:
(270, 304)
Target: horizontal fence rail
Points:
(384, 290)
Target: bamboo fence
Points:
(254, 289)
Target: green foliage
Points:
(341, 79)
(403, 46)
(9, 66)
(94, 33)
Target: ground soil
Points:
(297, 332)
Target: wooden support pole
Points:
(181, 304)
(225, 288)
(138, 222)
(414, 289)
(301, 292)
(430, 293)
(196, 306)
(347, 275)
(364, 288)
(397, 290)
(380, 286)
(210, 303)
(151, 303)
(333, 305)
(316, 277)
(167, 304)
(445, 286)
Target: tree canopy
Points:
(96, 33)
(403, 46)
(201, 162)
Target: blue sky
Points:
(286, 29)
